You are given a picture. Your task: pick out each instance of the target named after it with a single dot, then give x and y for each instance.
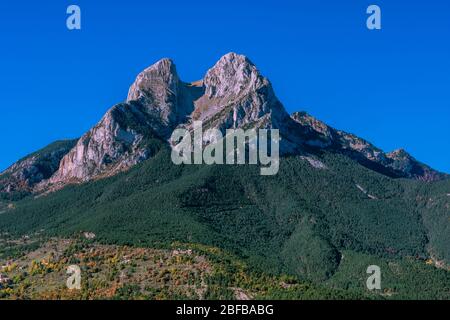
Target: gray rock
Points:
(237, 95)
(25, 174)
(162, 93)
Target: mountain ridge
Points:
(233, 93)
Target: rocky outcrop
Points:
(401, 161)
(109, 147)
(157, 102)
(25, 174)
(237, 95)
(162, 93)
(396, 164)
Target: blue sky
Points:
(391, 87)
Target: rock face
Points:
(236, 95)
(163, 94)
(25, 174)
(157, 102)
(233, 94)
(112, 145)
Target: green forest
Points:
(310, 225)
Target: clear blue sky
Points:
(391, 87)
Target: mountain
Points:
(337, 204)
(233, 94)
(323, 224)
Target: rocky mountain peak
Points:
(160, 90)
(157, 102)
(161, 74)
(237, 95)
(232, 75)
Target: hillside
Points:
(299, 222)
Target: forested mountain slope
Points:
(298, 222)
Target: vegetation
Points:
(188, 271)
(310, 224)
(406, 278)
